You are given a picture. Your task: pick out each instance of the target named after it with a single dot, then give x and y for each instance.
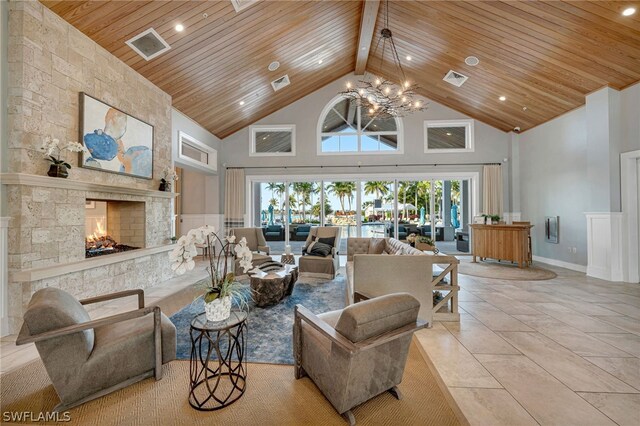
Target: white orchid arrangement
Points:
(222, 282)
(169, 175)
(53, 150)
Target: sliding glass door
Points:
(437, 208)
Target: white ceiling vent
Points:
(239, 5)
(455, 78)
(280, 82)
(148, 44)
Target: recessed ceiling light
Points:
(274, 66)
(320, 61)
(241, 103)
(179, 27)
(471, 61)
(409, 58)
(364, 47)
(524, 108)
(503, 98)
(629, 11)
(448, 133)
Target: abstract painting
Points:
(116, 141)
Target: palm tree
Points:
(271, 186)
(280, 189)
(337, 189)
(379, 188)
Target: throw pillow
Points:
(319, 249)
(377, 246)
(330, 241)
(307, 248)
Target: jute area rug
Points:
(504, 270)
(273, 397)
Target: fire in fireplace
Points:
(104, 227)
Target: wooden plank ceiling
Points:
(542, 55)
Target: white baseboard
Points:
(560, 263)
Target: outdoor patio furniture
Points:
(425, 230)
(273, 232)
(402, 232)
(300, 233)
(462, 241)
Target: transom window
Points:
(345, 127)
(447, 136)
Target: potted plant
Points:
(495, 219)
(425, 244)
(168, 177)
(54, 150)
(221, 289)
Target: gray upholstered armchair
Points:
(357, 353)
(318, 266)
(256, 243)
(85, 358)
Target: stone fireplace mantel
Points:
(36, 274)
(51, 182)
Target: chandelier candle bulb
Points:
(348, 85)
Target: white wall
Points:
(553, 182)
(571, 165)
(630, 117)
(200, 191)
(491, 144)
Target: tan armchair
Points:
(357, 353)
(256, 243)
(318, 266)
(86, 359)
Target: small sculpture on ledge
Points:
(54, 150)
(168, 177)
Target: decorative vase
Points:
(58, 170)
(219, 309)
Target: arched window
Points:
(345, 127)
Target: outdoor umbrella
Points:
(454, 216)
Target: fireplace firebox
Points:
(113, 226)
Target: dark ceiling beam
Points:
(367, 26)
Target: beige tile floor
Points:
(564, 351)
(558, 352)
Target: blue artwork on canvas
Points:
(116, 141)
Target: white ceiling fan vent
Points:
(239, 5)
(455, 78)
(280, 82)
(148, 44)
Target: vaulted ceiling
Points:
(543, 56)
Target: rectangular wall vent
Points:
(239, 5)
(148, 44)
(455, 78)
(280, 82)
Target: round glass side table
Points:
(217, 372)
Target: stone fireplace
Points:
(113, 226)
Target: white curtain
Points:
(492, 190)
(234, 199)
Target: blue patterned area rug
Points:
(270, 330)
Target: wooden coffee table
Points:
(273, 283)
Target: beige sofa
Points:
(379, 266)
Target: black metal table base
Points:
(218, 381)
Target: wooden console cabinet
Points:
(501, 242)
